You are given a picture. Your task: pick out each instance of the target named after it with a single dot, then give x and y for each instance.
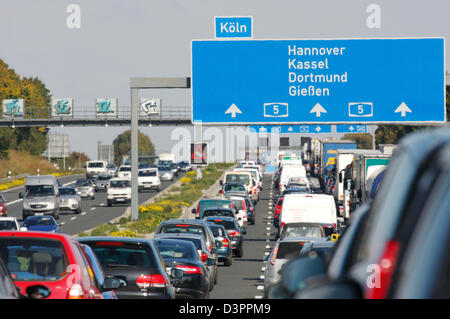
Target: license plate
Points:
(39, 214)
(120, 199)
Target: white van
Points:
(291, 171)
(124, 171)
(246, 179)
(255, 175)
(148, 178)
(308, 208)
(95, 168)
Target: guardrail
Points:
(8, 179)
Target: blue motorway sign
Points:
(365, 81)
(234, 27)
(352, 128)
(304, 129)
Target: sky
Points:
(120, 39)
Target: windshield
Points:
(125, 169)
(96, 164)
(238, 178)
(31, 259)
(213, 203)
(8, 225)
(83, 182)
(147, 173)
(227, 224)
(39, 190)
(104, 178)
(67, 191)
(119, 184)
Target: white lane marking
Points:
(92, 208)
(83, 213)
(261, 277)
(267, 228)
(268, 240)
(267, 246)
(63, 223)
(258, 297)
(263, 268)
(73, 218)
(70, 183)
(102, 204)
(13, 202)
(260, 287)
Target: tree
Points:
(77, 159)
(122, 146)
(363, 140)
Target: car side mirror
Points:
(111, 283)
(194, 211)
(176, 273)
(210, 262)
(328, 289)
(20, 195)
(221, 182)
(37, 292)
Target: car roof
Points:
(218, 208)
(40, 217)
(132, 240)
(220, 217)
(301, 238)
(163, 240)
(184, 221)
(36, 234)
(8, 218)
(190, 235)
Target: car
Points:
(185, 166)
(223, 244)
(189, 226)
(102, 182)
(393, 215)
(174, 168)
(166, 173)
(234, 232)
(251, 212)
(240, 209)
(138, 263)
(183, 255)
(44, 223)
(284, 250)
(148, 179)
(124, 171)
(94, 168)
(3, 206)
(119, 191)
(9, 223)
(111, 169)
(47, 264)
(216, 202)
(99, 277)
(85, 188)
(69, 199)
(208, 258)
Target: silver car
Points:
(284, 250)
(165, 173)
(102, 182)
(85, 188)
(69, 199)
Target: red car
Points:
(53, 261)
(3, 207)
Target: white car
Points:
(119, 191)
(9, 223)
(124, 171)
(148, 178)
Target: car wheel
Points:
(109, 203)
(215, 277)
(241, 252)
(228, 261)
(78, 211)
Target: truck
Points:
(328, 156)
(362, 179)
(344, 158)
(166, 158)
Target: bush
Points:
(123, 233)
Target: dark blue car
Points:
(41, 223)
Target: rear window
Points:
(218, 212)
(30, 259)
(182, 228)
(302, 231)
(289, 250)
(235, 187)
(117, 254)
(125, 169)
(196, 241)
(67, 191)
(96, 164)
(238, 178)
(217, 231)
(119, 184)
(175, 251)
(227, 224)
(213, 203)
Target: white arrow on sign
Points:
(290, 129)
(318, 109)
(233, 109)
(403, 108)
(351, 128)
(317, 129)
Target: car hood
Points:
(68, 197)
(40, 200)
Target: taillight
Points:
(386, 267)
(204, 257)
(274, 255)
(190, 269)
(234, 233)
(145, 281)
(225, 243)
(75, 292)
